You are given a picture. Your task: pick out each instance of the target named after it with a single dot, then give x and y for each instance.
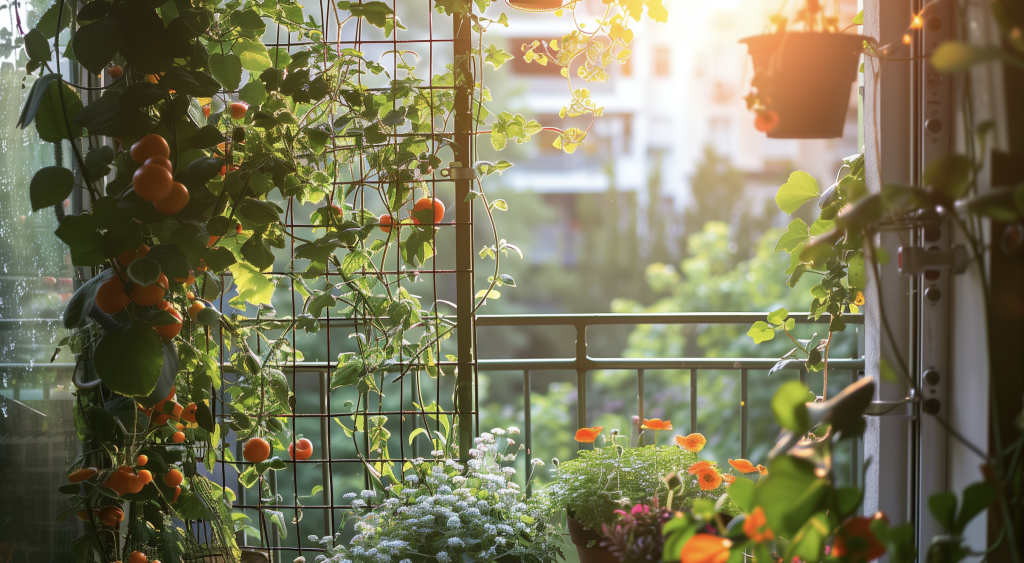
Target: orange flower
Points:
(705, 548)
(742, 465)
(859, 300)
(756, 526)
(692, 443)
(729, 479)
(700, 466)
(762, 470)
(709, 479)
(588, 435)
(656, 424)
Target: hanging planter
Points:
(803, 82)
(535, 5)
(586, 542)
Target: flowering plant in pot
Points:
(803, 73)
(444, 510)
(598, 486)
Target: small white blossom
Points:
(454, 521)
(455, 542)
(512, 430)
(537, 461)
(443, 557)
(349, 495)
(498, 431)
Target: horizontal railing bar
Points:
(573, 320)
(552, 364)
(646, 319)
(650, 363)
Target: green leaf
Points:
(976, 498)
(778, 316)
(35, 99)
(50, 122)
(48, 21)
(761, 332)
(742, 496)
(253, 286)
(36, 46)
(795, 235)
(252, 55)
(943, 508)
(144, 271)
(820, 227)
(790, 408)
(206, 137)
(50, 186)
(227, 69)
(801, 188)
(128, 359)
(96, 44)
(858, 19)
(254, 93)
(958, 56)
(949, 175)
(788, 479)
(82, 301)
(259, 212)
(856, 275)
(376, 13)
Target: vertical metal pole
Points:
(743, 414)
(640, 392)
(463, 110)
(527, 429)
(581, 376)
(693, 400)
(325, 453)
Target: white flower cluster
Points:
(447, 510)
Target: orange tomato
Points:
(111, 296)
(149, 146)
(149, 294)
(173, 478)
(152, 182)
(301, 450)
(425, 203)
(82, 474)
(256, 450)
(162, 161)
(238, 110)
(175, 201)
(385, 222)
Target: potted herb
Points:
(446, 511)
(595, 488)
(803, 73)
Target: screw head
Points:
(933, 294)
(932, 377)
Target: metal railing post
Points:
(581, 376)
(527, 431)
(743, 413)
(325, 453)
(640, 392)
(693, 400)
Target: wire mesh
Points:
(414, 391)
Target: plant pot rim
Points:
(535, 5)
(580, 534)
(801, 34)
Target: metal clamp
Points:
(892, 409)
(915, 260)
(455, 171)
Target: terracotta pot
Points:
(535, 5)
(806, 79)
(582, 537)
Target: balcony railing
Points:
(582, 362)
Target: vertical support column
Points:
(743, 414)
(935, 123)
(325, 452)
(527, 431)
(889, 157)
(581, 376)
(464, 83)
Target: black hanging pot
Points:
(582, 538)
(805, 79)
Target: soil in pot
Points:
(806, 79)
(582, 537)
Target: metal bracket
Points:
(915, 260)
(892, 409)
(455, 171)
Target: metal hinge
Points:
(915, 260)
